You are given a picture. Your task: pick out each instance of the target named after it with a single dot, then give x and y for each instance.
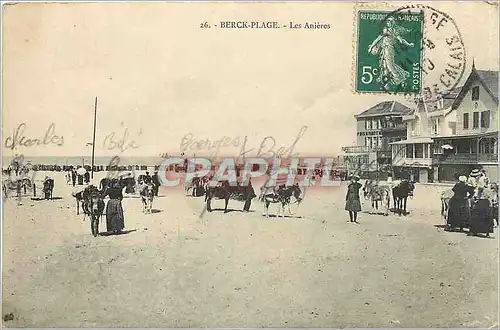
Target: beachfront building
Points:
(376, 128)
(453, 135)
(474, 143)
(412, 157)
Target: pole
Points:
(93, 141)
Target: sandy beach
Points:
(173, 268)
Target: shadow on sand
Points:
(466, 232)
(43, 199)
(231, 210)
(110, 233)
(285, 216)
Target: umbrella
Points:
(447, 146)
(81, 171)
(125, 174)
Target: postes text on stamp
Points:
(388, 54)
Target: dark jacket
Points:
(353, 190)
(462, 191)
(114, 193)
(156, 179)
(147, 179)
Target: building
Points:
(474, 144)
(452, 136)
(412, 157)
(377, 127)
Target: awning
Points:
(467, 136)
(414, 140)
(354, 154)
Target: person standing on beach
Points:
(458, 210)
(147, 178)
(73, 176)
(156, 183)
(115, 221)
(353, 204)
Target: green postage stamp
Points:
(389, 52)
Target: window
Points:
(435, 126)
(475, 93)
(485, 119)
(419, 150)
(376, 124)
(466, 120)
(437, 147)
(475, 119)
(409, 150)
(368, 124)
(368, 141)
(486, 146)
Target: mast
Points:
(93, 141)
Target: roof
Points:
(385, 108)
(489, 80)
(470, 135)
(414, 140)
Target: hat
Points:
(475, 172)
(462, 178)
(355, 177)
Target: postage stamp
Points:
(389, 52)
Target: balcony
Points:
(359, 149)
(397, 128)
(487, 158)
(384, 154)
(412, 162)
(465, 158)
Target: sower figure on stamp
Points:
(385, 47)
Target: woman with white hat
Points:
(481, 220)
(476, 182)
(458, 214)
(353, 204)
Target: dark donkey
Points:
(282, 195)
(93, 205)
(226, 191)
(400, 194)
(48, 188)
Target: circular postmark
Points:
(443, 55)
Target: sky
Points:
(159, 75)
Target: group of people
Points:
(115, 220)
(74, 177)
(472, 204)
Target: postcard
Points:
(250, 164)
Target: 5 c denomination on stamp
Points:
(389, 52)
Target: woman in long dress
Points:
(353, 204)
(481, 221)
(114, 212)
(458, 214)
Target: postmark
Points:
(444, 54)
(388, 52)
